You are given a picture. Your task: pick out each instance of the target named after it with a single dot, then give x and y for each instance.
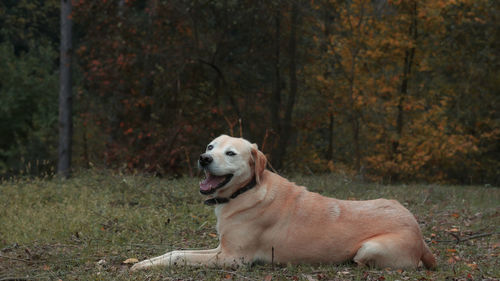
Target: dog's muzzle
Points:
(212, 182)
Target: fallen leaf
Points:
(453, 230)
(455, 215)
(309, 277)
(101, 263)
(451, 250)
(321, 276)
(268, 278)
(46, 267)
(472, 266)
(130, 260)
(212, 235)
(451, 260)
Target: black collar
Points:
(222, 200)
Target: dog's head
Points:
(230, 163)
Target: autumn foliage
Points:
(388, 90)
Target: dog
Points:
(263, 217)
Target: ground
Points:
(93, 226)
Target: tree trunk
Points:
(326, 76)
(275, 104)
(286, 126)
(149, 60)
(329, 153)
(65, 95)
(407, 66)
(355, 115)
(357, 150)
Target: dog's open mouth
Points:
(212, 182)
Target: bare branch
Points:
(458, 239)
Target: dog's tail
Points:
(428, 258)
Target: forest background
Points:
(387, 90)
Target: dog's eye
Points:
(210, 147)
(230, 153)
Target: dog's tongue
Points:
(211, 182)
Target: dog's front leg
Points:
(213, 257)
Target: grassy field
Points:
(86, 227)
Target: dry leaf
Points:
(451, 250)
(268, 278)
(455, 215)
(212, 235)
(46, 267)
(130, 260)
(472, 266)
(309, 277)
(321, 276)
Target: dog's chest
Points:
(218, 211)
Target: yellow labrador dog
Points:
(264, 217)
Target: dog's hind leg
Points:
(395, 251)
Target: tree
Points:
(159, 78)
(283, 126)
(28, 87)
(65, 92)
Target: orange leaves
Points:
(354, 67)
(128, 131)
(473, 266)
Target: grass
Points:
(85, 227)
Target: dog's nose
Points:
(205, 159)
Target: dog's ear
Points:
(260, 162)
